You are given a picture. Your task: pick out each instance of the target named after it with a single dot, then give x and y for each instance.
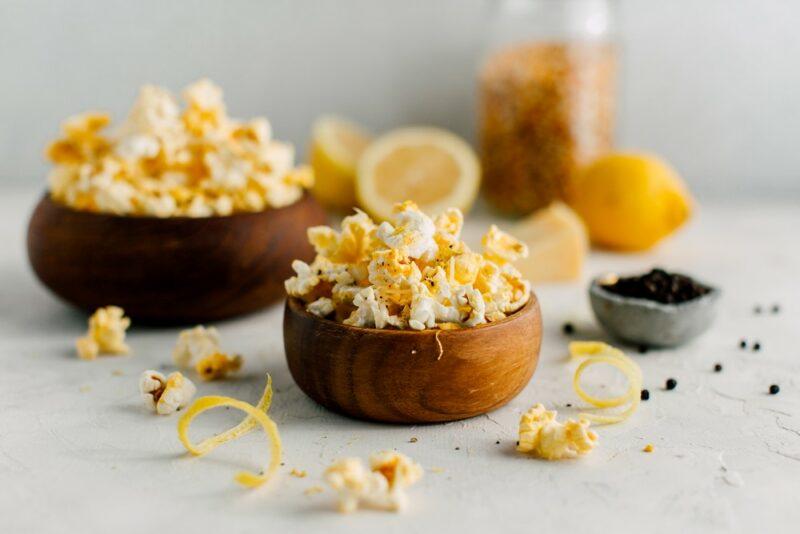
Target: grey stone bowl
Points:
(647, 322)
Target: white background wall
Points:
(713, 85)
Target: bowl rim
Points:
(530, 305)
(48, 197)
(596, 288)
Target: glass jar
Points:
(546, 98)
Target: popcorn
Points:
(218, 365)
(106, 334)
(194, 345)
(382, 486)
(501, 248)
(322, 307)
(165, 395)
(410, 272)
(165, 162)
(543, 436)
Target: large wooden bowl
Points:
(398, 376)
(170, 271)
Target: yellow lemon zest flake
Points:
(256, 415)
(596, 352)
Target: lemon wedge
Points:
(432, 167)
(557, 244)
(336, 145)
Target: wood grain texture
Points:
(397, 376)
(169, 271)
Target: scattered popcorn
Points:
(382, 486)
(164, 162)
(106, 334)
(195, 344)
(543, 436)
(410, 272)
(165, 395)
(218, 365)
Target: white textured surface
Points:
(79, 453)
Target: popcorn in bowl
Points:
(166, 162)
(411, 272)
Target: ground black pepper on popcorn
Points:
(660, 286)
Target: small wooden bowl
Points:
(169, 271)
(398, 376)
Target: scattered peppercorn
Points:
(569, 405)
(774, 389)
(458, 448)
(643, 349)
(776, 308)
(568, 329)
(645, 395)
(717, 367)
(518, 444)
(497, 442)
(671, 383)
(743, 344)
(756, 346)
(757, 310)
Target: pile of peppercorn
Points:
(660, 286)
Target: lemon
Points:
(434, 168)
(557, 244)
(336, 145)
(630, 201)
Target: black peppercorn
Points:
(497, 442)
(717, 367)
(568, 329)
(645, 395)
(458, 448)
(756, 346)
(776, 308)
(757, 310)
(743, 344)
(671, 383)
(774, 389)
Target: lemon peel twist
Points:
(596, 352)
(256, 415)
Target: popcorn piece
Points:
(412, 233)
(502, 248)
(382, 486)
(106, 334)
(322, 307)
(194, 345)
(541, 435)
(218, 365)
(164, 162)
(165, 395)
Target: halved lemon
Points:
(336, 145)
(433, 167)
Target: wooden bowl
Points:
(169, 271)
(398, 376)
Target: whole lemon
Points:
(630, 201)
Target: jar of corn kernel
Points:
(546, 98)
